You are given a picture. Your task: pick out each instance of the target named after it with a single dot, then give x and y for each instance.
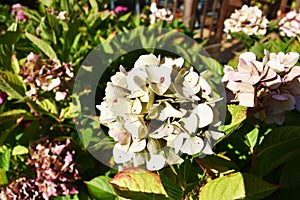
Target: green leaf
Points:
(277, 148)
(5, 159)
(12, 84)
(99, 188)
(16, 113)
(3, 177)
(125, 17)
(19, 150)
(237, 186)
(217, 163)
(5, 133)
(94, 5)
(49, 106)
(238, 115)
(135, 183)
(173, 190)
(290, 176)
(8, 40)
(42, 45)
(251, 138)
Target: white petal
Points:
(192, 145)
(190, 123)
(121, 154)
(205, 114)
(146, 60)
(156, 162)
(136, 107)
(137, 146)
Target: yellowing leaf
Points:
(135, 183)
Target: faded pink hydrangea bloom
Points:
(21, 189)
(289, 25)
(55, 167)
(46, 75)
(17, 9)
(273, 84)
(56, 173)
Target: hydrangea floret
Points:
(249, 20)
(157, 111)
(272, 84)
(158, 14)
(289, 25)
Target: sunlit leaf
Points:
(236, 186)
(99, 188)
(42, 45)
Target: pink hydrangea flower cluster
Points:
(55, 170)
(46, 75)
(249, 20)
(17, 9)
(290, 24)
(21, 189)
(272, 84)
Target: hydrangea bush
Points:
(159, 115)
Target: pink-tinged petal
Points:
(273, 83)
(228, 70)
(240, 76)
(295, 72)
(59, 96)
(246, 99)
(246, 96)
(290, 59)
(269, 74)
(233, 86)
(259, 65)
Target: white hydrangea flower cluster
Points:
(159, 14)
(249, 20)
(290, 24)
(272, 84)
(157, 111)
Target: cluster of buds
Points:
(55, 170)
(157, 111)
(159, 14)
(46, 76)
(248, 20)
(17, 10)
(272, 84)
(289, 25)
